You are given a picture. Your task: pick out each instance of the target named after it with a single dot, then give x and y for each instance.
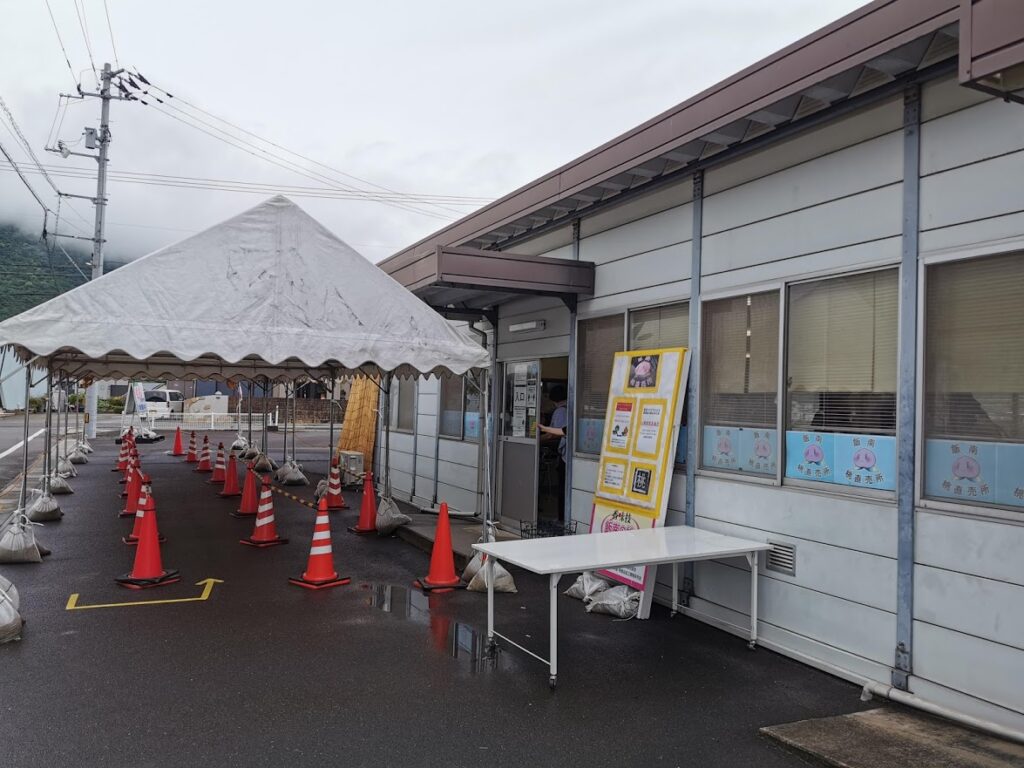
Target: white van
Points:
(161, 402)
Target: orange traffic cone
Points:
(204, 458)
(368, 510)
(320, 572)
(122, 456)
(148, 569)
(133, 457)
(334, 498)
(130, 471)
(231, 478)
(218, 467)
(177, 450)
(264, 533)
(191, 457)
(146, 505)
(250, 502)
(134, 487)
(442, 561)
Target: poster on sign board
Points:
(645, 405)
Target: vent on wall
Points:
(782, 558)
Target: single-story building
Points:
(837, 235)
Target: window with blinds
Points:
(598, 339)
(841, 354)
(450, 424)
(656, 327)
(740, 361)
(974, 380)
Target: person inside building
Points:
(556, 430)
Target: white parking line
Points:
(18, 445)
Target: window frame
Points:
(975, 511)
(573, 448)
(677, 466)
(396, 403)
(461, 437)
(700, 470)
(835, 489)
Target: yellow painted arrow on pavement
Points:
(206, 584)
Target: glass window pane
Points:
(406, 404)
(471, 401)
(451, 407)
(974, 381)
(841, 376)
(598, 341)
(658, 327)
(739, 380)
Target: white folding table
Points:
(557, 556)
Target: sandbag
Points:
(65, 468)
(503, 581)
(473, 566)
(620, 601)
(18, 542)
(83, 445)
(290, 473)
(321, 489)
(58, 485)
(78, 456)
(251, 452)
(240, 444)
(10, 620)
(44, 509)
(264, 463)
(389, 517)
(8, 589)
(586, 586)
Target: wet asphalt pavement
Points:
(370, 674)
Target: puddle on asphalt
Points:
(446, 635)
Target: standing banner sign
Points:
(139, 394)
(645, 406)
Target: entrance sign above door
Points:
(645, 405)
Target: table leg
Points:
(752, 559)
(489, 575)
(675, 589)
(553, 589)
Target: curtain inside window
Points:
(598, 341)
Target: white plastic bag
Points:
(10, 620)
(290, 473)
(77, 456)
(473, 566)
(264, 463)
(65, 468)
(503, 581)
(18, 542)
(321, 489)
(586, 586)
(58, 485)
(620, 601)
(8, 589)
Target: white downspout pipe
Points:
(882, 690)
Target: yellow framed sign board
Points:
(645, 406)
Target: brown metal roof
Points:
(869, 47)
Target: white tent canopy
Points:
(270, 292)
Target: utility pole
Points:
(92, 138)
(91, 394)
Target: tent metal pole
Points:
(48, 441)
(249, 438)
(23, 493)
(295, 393)
(284, 443)
(67, 413)
(330, 437)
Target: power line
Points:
(26, 145)
(75, 172)
(85, 34)
(61, 41)
(292, 165)
(282, 163)
(110, 29)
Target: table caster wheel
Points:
(752, 645)
(551, 682)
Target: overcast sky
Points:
(467, 99)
